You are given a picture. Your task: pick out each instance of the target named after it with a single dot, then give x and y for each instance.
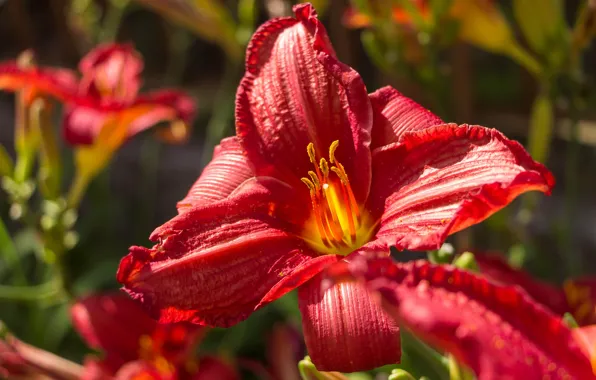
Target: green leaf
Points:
(10, 255)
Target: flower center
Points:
(337, 225)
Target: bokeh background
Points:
(201, 51)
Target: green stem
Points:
(30, 293)
(574, 259)
(521, 56)
(77, 190)
(11, 255)
(115, 13)
(435, 361)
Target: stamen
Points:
(324, 168)
(310, 149)
(336, 215)
(332, 150)
(315, 179)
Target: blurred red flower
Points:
(107, 90)
(266, 217)
(498, 331)
(136, 346)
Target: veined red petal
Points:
(59, 83)
(216, 262)
(227, 170)
(395, 114)
(294, 92)
(497, 269)
(113, 324)
(345, 329)
(440, 180)
(112, 71)
(497, 331)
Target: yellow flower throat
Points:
(337, 225)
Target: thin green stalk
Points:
(77, 190)
(574, 260)
(33, 293)
(115, 14)
(11, 255)
(434, 361)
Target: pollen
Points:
(337, 224)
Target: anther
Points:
(324, 168)
(332, 150)
(315, 179)
(308, 183)
(310, 149)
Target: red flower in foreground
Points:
(319, 172)
(577, 296)
(106, 92)
(498, 331)
(134, 345)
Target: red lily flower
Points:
(498, 331)
(319, 172)
(107, 90)
(577, 296)
(134, 344)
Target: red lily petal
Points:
(497, 331)
(227, 170)
(295, 92)
(395, 114)
(215, 262)
(112, 71)
(59, 83)
(112, 323)
(212, 367)
(82, 123)
(344, 329)
(440, 180)
(497, 269)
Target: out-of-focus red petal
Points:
(395, 114)
(169, 105)
(59, 83)
(294, 92)
(112, 71)
(112, 323)
(497, 269)
(345, 329)
(83, 122)
(227, 170)
(497, 331)
(215, 263)
(212, 367)
(442, 179)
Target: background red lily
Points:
(133, 344)
(108, 88)
(245, 234)
(497, 331)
